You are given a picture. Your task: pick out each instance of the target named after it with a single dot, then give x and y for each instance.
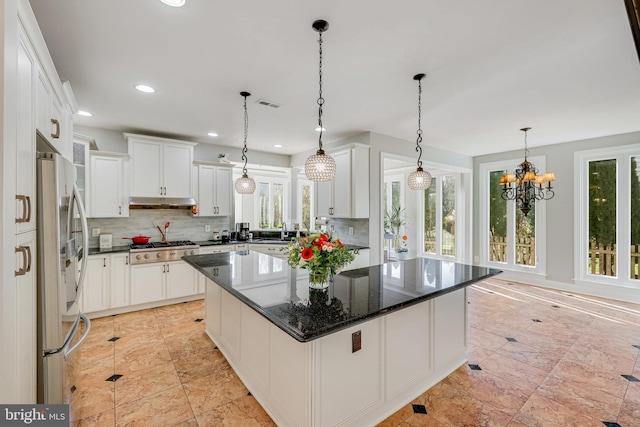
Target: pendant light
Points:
(320, 166)
(245, 185)
(419, 179)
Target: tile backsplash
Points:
(360, 234)
(184, 226)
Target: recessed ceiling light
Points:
(84, 113)
(213, 134)
(277, 145)
(323, 129)
(145, 88)
(174, 3)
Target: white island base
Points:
(322, 382)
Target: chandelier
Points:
(419, 179)
(245, 185)
(525, 186)
(320, 166)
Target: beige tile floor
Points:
(546, 358)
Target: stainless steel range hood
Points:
(161, 203)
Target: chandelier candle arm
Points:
(525, 186)
(320, 166)
(419, 179)
(245, 185)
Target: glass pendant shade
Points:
(419, 179)
(320, 167)
(245, 185)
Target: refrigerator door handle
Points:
(85, 319)
(85, 236)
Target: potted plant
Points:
(393, 220)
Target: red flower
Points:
(340, 243)
(306, 253)
(324, 238)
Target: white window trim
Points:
(285, 197)
(622, 155)
(541, 220)
(460, 235)
(301, 182)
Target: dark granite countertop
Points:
(259, 242)
(282, 295)
(98, 251)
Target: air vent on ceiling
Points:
(267, 103)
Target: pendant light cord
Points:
(320, 98)
(246, 131)
(419, 131)
(526, 149)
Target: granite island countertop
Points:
(282, 295)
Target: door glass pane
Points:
(497, 218)
(306, 206)
(277, 205)
(430, 218)
(635, 217)
(526, 237)
(602, 218)
(448, 215)
(395, 194)
(263, 196)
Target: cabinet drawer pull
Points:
(26, 208)
(167, 268)
(164, 268)
(119, 210)
(26, 264)
(104, 262)
(126, 260)
(57, 133)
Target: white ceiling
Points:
(567, 68)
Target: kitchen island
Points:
(352, 354)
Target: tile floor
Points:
(536, 358)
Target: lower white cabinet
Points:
(273, 249)
(119, 280)
(217, 249)
(155, 282)
(95, 290)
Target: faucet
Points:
(283, 233)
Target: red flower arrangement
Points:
(321, 254)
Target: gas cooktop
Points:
(159, 245)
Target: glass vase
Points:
(319, 279)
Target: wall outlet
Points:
(95, 232)
(207, 228)
(350, 231)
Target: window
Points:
(439, 215)
(510, 239)
(270, 203)
(305, 204)
(608, 207)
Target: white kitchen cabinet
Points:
(54, 117)
(215, 189)
(107, 196)
(25, 303)
(119, 279)
(214, 249)
(273, 249)
(25, 148)
(159, 281)
(347, 194)
(95, 290)
(160, 167)
(181, 279)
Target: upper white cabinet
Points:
(107, 196)
(347, 194)
(54, 116)
(160, 167)
(215, 189)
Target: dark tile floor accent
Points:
(113, 339)
(198, 320)
(631, 378)
(114, 378)
(636, 346)
(610, 424)
(419, 409)
(73, 388)
(475, 367)
(537, 320)
(511, 339)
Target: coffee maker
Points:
(242, 230)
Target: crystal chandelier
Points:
(320, 166)
(245, 185)
(525, 186)
(419, 179)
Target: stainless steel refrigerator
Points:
(62, 258)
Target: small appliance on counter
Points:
(216, 236)
(106, 241)
(242, 230)
(225, 236)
